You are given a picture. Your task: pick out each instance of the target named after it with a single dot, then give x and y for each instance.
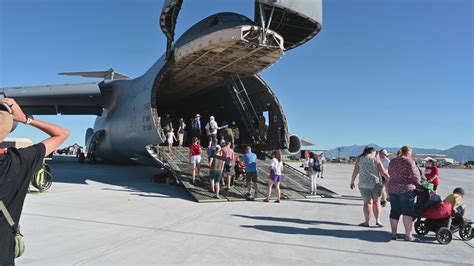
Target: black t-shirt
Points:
(17, 167)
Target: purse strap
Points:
(7, 215)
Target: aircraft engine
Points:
(294, 147)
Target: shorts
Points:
(211, 153)
(276, 178)
(196, 159)
(181, 137)
(251, 177)
(216, 175)
(227, 169)
(371, 193)
(402, 204)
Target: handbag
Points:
(19, 243)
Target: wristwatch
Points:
(29, 119)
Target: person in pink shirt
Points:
(228, 154)
(404, 177)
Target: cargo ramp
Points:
(295, 184)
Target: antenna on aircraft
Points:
(106, 75)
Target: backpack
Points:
(316, 166)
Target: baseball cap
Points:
(459, 190)
(6, 124)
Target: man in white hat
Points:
(17, 167)
(211, 127)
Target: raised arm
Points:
(57, 134)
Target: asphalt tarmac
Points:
(103, 214)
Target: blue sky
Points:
(390, 72)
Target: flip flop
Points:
(364, 224)
(394, 237)
(379, 225)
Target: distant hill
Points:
(460, 153)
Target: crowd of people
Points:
(211, 131)
(397, 181)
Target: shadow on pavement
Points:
(331, 203)
(131, 179)
(365, 235)
(290, 220)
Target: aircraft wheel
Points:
(81, 158)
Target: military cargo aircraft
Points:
(212, 69)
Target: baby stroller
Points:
(445, 225)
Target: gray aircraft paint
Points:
(125, 106)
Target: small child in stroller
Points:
(446, 218)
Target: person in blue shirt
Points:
(250, 160)
(196, 127)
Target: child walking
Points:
(171, 137)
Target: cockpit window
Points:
(214, 22)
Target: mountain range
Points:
(460, 153)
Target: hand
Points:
(352, 185)
(17, 113)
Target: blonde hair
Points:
(404, 151)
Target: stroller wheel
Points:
(465, 232)
(444, 236)
(421, 228)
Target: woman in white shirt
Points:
(276, 169)
(312, 174)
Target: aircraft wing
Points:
(305, 142)
(67, 99)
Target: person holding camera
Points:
(17, 167)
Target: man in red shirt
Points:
(195, 153)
